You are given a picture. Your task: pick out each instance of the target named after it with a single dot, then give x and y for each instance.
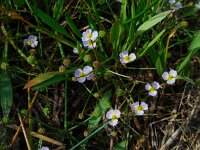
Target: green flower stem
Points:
(91, 135)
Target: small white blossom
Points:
(170, 77)
(82, 75)
(152, 88)
(43, 148)
(113, 116)
(175, 5)
(139, 108)
(75, 50)
(89, 35)
(126, 58)
(90, 44)
(32, 41)
(198, 5)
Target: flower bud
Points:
(96, 64)
(102, 33)
(4, 66)
(87, 58)
(66, 62)
(61, 68)
(31, 60)
(46, 111)
(184, 24)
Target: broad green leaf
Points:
(6, 94)
(57, 9)
(185, 79)
(41, 78)
(99, 110)
(72, 25)
(116, 35)
(51, 22)
(153, 21)
(195, 44)
(151, 43)
(121, 145)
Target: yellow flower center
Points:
(89, 35)
(90, 42)
(152, 89)
(139, 108)
(127, 58)
(82, 74)
(114, 117)
(30, 42)
(170, 77)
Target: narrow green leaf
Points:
(159, 67)
(51, 22)
(72, 25)
(6, 94)
(195, 44)
(99, 110)
(116, 35)
(153, 21)
(57, 9)
(151, 43)
(185, 79)
(186, 60)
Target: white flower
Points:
(170, 77)
(82, 75)
(175, 5)
(198, 5)
(75, 50)
(89, 35)
(32, 41)
(113, 116)
(43, 148)
(90, 44)
(139, 108)
(126, 58)
(152, 88)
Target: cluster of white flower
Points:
(170, 77)
(89, 38)
(114, 115)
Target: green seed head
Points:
(4, 66)
(102, 33)
(31, 60)
(87, 58)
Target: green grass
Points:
(39, 84)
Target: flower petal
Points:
(148, 87)
(153, 93)
(113, 122)
(132, 57)
(165, 75)
(134, 105)
(156, 85)
(87, 69)
(117, 112)
(124, 53)
(81, 79)
(78, 72)
(109, 114)
(139, 113)
(173, 73)
(144, 105)
(172, 81)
